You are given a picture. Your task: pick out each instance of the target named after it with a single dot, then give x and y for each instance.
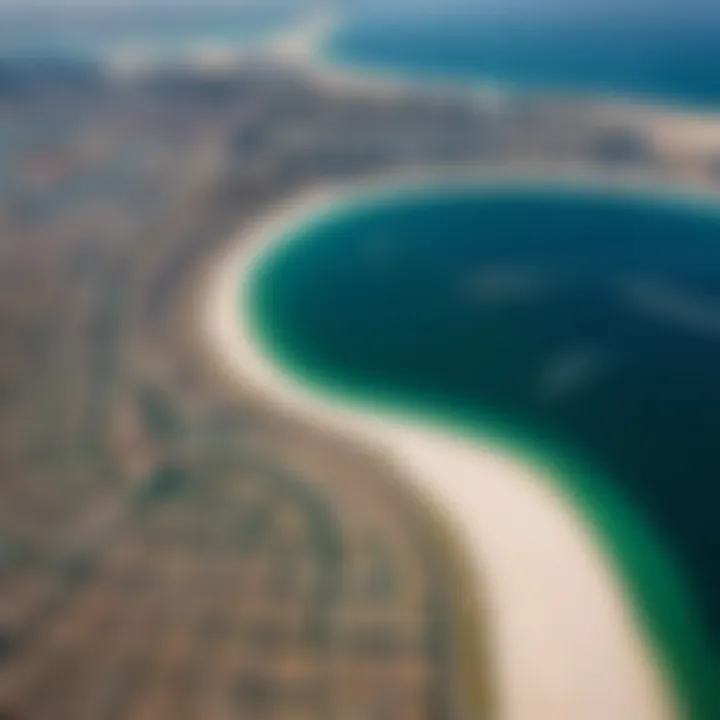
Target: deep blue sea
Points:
(579, 328)
(666, 57)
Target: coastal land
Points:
(168, 489)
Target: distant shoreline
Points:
(525, 667)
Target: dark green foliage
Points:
(166, 484)
(158, 414)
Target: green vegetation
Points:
(158, 414)
(166, 484)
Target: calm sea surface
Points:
(662, 57)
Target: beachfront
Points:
(566, 642)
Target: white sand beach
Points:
(565, 640)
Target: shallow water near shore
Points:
(578, 329)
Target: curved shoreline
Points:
(622, 678)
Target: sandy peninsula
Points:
(566, 643)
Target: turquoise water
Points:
(580, 329)
(644, 55)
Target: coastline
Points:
(489, 497)
(304, 46)
(310, 44)
(679, 129)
